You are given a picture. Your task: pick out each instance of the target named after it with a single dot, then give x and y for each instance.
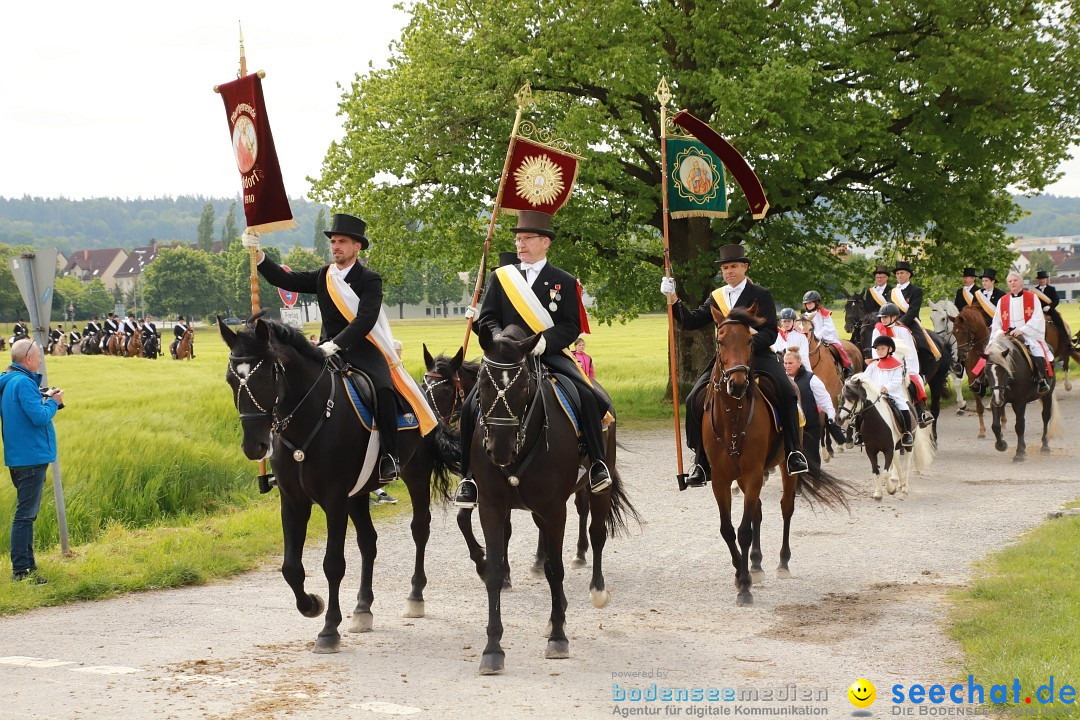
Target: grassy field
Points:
(1021, 617)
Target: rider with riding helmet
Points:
(738, 292)
(887, 374)
(824, 328)
(787, 337)
(889, 324)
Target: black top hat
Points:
(349, 226)
(534, 221)
(508, 258)
(1042, 274)
(903, 265)
(970, 272)
(882, 269)
(732, 253)
(989, 273)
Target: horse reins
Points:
(724, 383)
(521, 423)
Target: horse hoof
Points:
(578, 562)
(1068, 387)
(877, 494)
(361, 622)
(537, 569)
(1001, 446)
(507, 583)
(600, 598)
(849, 445)
(1019, 458)
(982, 436)
(757, 575)
(744, 599)
(317, 606)
(1045, 450)
(557, 650)
(782, 573)
(327, 645)
(903, 495)
(413, 609)
(492, 663)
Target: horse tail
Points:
(621, 509)
(925, 449)
(827, 489)
(1053, 429)
(446, 459)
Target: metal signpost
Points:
(35, 273)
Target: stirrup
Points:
(599, 481)
(697, 477)
(907, 440)
(793, 459)
(926, 420)
(466, 494)
(384, 477)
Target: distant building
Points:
(1066, 243)
(89, 264)
(129, 273)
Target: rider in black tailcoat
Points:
(961, 300)
(1048, 296)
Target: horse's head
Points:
(854, 312)
(446, 383)
(854, 396)
(1001, 367)
(733, 350)
(970, 331)
(504, 390)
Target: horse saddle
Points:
(361, 392)
(772, 400)
(569, 398)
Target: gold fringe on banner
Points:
(697, 213)
(289, 224)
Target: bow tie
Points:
(525, 267)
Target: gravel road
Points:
(868, 598)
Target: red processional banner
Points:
(266, 206)
(539, 178)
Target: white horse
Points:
(942, 313)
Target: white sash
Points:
(876, 294)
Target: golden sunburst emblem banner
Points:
(538, 180)
(542, 177)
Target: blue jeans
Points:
(29, 482)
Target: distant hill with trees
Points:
(70, 225)
(1049, 216)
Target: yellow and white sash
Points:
(380, 336)
(989, 308)
(966, 294)
(721, 301)
(529, 308)
(902, 303)
(876, 294)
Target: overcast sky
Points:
(116, 100)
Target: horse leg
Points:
(552, 524)
(979, 410)
(417, 481)
(995, 424)
(294, 522)
(722, 493)
(600, 505)
(1019, 409)
(581, 502)
(360, 512)
(493, 522)
(787, 509)
(1047, 414)
(507, 584)
(476, 550)
(875, 470)
(540, 557)
(751, 503)
(337, 521)
(756, 573)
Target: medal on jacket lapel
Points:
(554, 294)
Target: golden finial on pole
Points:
(243, 59)
(663, 93)
(524, 96)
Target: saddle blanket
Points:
(405, 421)
(566, 405)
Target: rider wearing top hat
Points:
(557, 292)
(909, 297)
(347, 286)
(739, 292)
(966, 294)
(1048, 296)
(878, 294)
(987, 298)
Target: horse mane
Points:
(869, 390)
(742, 316)
(285, 335)
(996, 353)
(441, 363)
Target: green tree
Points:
(301, 259)
(403, 285)
(183, 281)
(238, 278)
(891, 122)
(1040, 260)
(96, 299)
(322, 244)
(67, 290)
(229, 231)
(442, 286)
(206, 228)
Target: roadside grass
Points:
(1021, 616)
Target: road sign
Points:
(291, 317)
(35, 273)
(288, 296)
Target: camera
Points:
(49, 392)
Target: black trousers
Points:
(811, 440)
(789, 404)
(592, 429)
(386, 419)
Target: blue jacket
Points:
(29, 438)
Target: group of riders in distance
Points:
(526, 428)
(128, 337)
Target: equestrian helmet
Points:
(787, 314)
(811, 296)
(889, 310)
(886, 341)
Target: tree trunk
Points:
(689, 239)
(401, 311)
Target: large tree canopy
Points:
(898, 123)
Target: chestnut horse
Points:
(971, 333)
(183, 350)
(742, 442)
(134, 345)
(115, 345)
(828, 369)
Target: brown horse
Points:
(971, 333)
(741, 443)
(183, 350)
(59, 347)
(826, 366)
(115, 345)
(1061, 345)
(134, 345)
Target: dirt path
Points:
(867, 598)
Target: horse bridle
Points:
(487, 420)
(458, 401)
(724, 383)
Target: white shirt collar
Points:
(903, 286)
(335, 270)
(735, 290)
(536, 266)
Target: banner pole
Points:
(524, 99)
(663, 94)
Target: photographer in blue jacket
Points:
(27, 410)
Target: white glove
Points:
(540, 346)
(471, 312)
(329, 348)
(667, 286)
(250, 239)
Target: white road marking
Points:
(386, 708)
(107, 670)
(33, 662)
(212, 680)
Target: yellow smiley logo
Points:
(862, 693)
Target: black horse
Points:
(860, 323)
(295, 410)
(1010, 380)
(525, 456)
(447, 382)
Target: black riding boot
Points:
(695, 408)
(592, 430)
(466, 494)
(1042, 385)
(907, 438)
(386, 412)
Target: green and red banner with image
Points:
(266, 206)
(695, 180)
